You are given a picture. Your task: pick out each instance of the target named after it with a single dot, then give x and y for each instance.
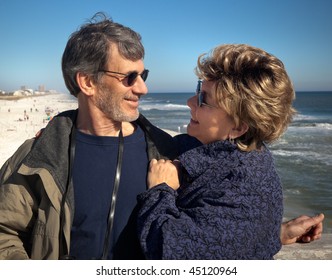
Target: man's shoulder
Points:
(160, 143)
(16, 159)
(151, 129)
(67, 113)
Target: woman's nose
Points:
(192, 102)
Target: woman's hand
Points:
(164, 171)
(302, 229)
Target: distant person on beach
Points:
(70, 193)
(230, 202)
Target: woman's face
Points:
(209, 123)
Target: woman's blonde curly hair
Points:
(253, 87)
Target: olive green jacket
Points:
(33, 190)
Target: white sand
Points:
(15, 127)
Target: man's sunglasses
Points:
(131, 77)
(200, 96)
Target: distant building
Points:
(41, 88)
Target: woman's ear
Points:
(239, 131)
(85, 83)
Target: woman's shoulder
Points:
(186, 142)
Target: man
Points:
(71, 192)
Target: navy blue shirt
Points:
(93, 179)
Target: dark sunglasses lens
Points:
(199, 94)
(144, 75)
(133, 76)
(200, 99)
(198, 89)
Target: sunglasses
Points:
(131, 76)
(200, 96)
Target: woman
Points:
(229, 205)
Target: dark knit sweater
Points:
(229, 206)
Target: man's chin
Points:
(130, 118)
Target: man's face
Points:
(114, 97)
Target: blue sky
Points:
(33, 35)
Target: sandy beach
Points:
(22, 118)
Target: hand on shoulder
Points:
(163, 171)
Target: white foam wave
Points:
(301, 117)
(324, 125)
(166, 107)
(310, 127)
(301, 156)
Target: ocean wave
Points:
(324, 125)
(161, 107)
(313, 125)
(302, 155)
(301, 117)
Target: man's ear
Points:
(85, 83)
(239, 131)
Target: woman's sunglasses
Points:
(200, 96)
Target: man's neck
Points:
(94, 122)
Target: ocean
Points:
(303, 156)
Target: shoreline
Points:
(19, 97)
